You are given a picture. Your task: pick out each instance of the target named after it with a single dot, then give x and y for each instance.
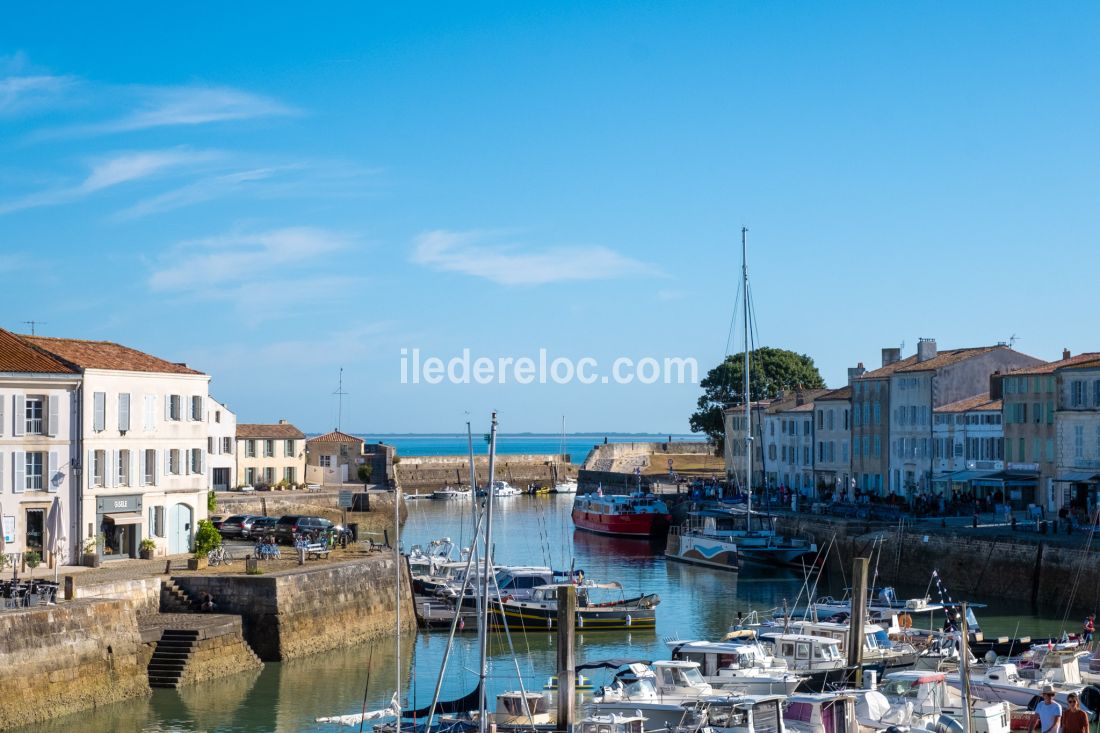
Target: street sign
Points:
(345, 500)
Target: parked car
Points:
(293, 524)
(262, 526)
(236, 525)
(217, 520)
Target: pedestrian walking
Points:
(1074, 719)
(1088, 630)
(1048, 714)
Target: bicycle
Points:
(267, 551)
(218, 556)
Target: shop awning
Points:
(963, 476)
(124, 517)
(1078, 477)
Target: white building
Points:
(37, 432)
(832, 440)
(733, 448)
(221, 444)
(142, 443)
(789, 442)
(1077, 430)
(967, 444)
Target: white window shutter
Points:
(89, 469)
(112, 468)
(99, 411)
(156, 469)
(52, 479)
(133, 465)
(54, 416)
(141, 468)
(124, 411)
(202, 463)
(2, 398)
(19, 471)
(150, 412)
(3, 457)
(167, 407)
(18, 414)
(167, 462)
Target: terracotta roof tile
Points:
(16, 355)
(1050, 367)
(105, 355)
(948, 357)
(844, 393)
(335, 437)
(977, 402)
(278, 431)
(889, 369)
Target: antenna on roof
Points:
(32, 324)
(903, 348)
(340, 400)
(1012, 341)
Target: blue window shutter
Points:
(19, 471)
(19, 414)
(54, 416)
(52, 479)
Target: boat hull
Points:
(703, 551)
(779, 555)
(621, 525)
(536, 617)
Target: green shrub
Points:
(33, 559)
(211, 502)
(365, 473)
(148, 544)
(206, 538)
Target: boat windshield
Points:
(727, 716)
(640, 688)
(682, 677)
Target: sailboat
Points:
(567, 485)
(724, 537)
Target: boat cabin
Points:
(612, 504)
(803, 652)
(742, 714)
(518, 708)
(927, 692)
(714, 657)
(821, 712)
(668, 678)
(611, 724)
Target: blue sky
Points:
(270, 192)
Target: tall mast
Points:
(397, 565)
(745, 373)
(483, 718)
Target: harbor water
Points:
(696, 603)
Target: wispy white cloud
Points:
(479, 253)
(153, 107)
(248, 270)
(113, 171)
(24, 89)
(204, 189)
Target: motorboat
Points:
(450, 493)
(720, 537)
(821, 712)
(741, 665)
(568, 486)
(516, 582)
(918, 699)
(503, 488)
(814, 657)
(656, 691)
(611, 724)
(877, 645)
(632, 515)
(1003, 682)
(737, 714)
(540, 611)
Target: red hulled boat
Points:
(636, 515)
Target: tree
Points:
(364, 472)
(770, 371)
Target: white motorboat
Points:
(656, 691)
(1003, 682)
(611, 724)
(569, 486)
(741, 665)
(877, 646)
(820, 712)
(919, 699)
(738, 714)
(450, 493)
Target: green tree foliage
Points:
(365, 473)
(770, 371)
(206, 538)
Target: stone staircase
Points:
(171, 656)
(173, 599)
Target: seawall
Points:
(314, 503)
(420, 474)
(1015, 566)
(63, 659)
(294, 613)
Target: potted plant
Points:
(33, 559)
(91, 549)
(147, 548)
(206, 539)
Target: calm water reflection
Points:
(695, 602)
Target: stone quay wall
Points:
(142, 594)
(608, 456)
(219, 652)
(1018, 567)
(424, 474)
(293, 613)
(67, 658)
(313, 503)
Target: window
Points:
(99, 468)
(1050, 413)
(867, 444)
(1008, 450)
(288, 449)
(1037, 412)
(34, 480)
(878, 446)
(1096, 393)
(150, 412)
(196, 407)
(196, 460)
(829, 421)
(217, 415)
(250, 448)
(99, 411)
(820, 420)
(844, 451)
(174, 462)
(269, 475)
(124, 412)
(857, 413)
(269, 448)
(1010, 386)
(227, 445)
(290, 475)
(173, 408)
(913, 419)
(250, 476)
(845, 418)
(124, 468)
(34, 416)
(1077, 393)
(150, 469)
(210, 445)
(1079, 441)
(1050, 449)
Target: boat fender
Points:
(580, 621)
(549, 622)
(628, 619)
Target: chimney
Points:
(995, 380)
(889, 356)
(1065, 353)
(855, 372)
(283, 422)
(926, 349)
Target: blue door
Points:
(180, 521)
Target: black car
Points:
(262, 526)
(296, 524)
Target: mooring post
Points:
(567, 619)
(858, 619)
